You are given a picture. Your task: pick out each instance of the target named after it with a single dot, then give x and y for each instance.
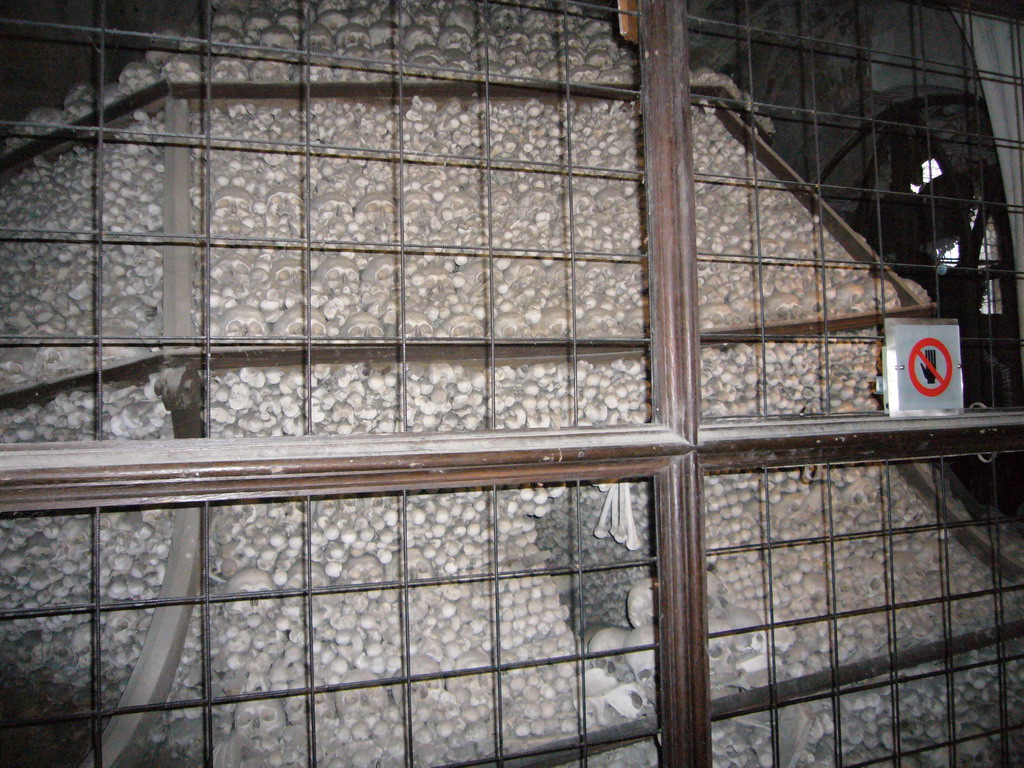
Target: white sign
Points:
(922, 367)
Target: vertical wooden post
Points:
(177, 259)
(671, 230)
(675, 361)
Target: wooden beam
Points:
(796, 442)
(177, 259)
(73, 475)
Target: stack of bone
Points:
(258, 645)
(254, 292)
(799, 507)
(515, 43)
(357, 293)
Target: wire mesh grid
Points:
(847, 172)
(864, 615)
(481, 626)
(438, 210)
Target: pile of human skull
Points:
(49, 288)
(441, 396)
(369, 36)
(46, 563)
(741, 211)
(605, 134)
(257, 642)
(130, 412)
(791, 377)
(358, 41)
(798, 506)
(259, 195)
(356, 634)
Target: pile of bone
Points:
(735, 219)
(364, 37)
(441, 396)
(130, 412)
(47, 563)
(356, 634)
(605, 134)
(622, 686)
(269, 402)
(258, 644)
(801, 507)
(367, 36)
(794, 379)
(49, 287)
(603, 598)
(259, 195)
(738, 293)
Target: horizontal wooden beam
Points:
(76, 475)
(748, 445)
(73, 475)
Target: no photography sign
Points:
(922, 367)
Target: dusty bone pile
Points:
(737, 220)
(738, 598)
(258, 645)
(48, 287)
(356, 294)
(529, 42)
(743, 379)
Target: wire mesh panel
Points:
(861, 614)
(435, 628)
(437, 209)
(848, 170)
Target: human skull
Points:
(320, 38)
(364, 569)
(352, 37)
(608, 639)
(249, 580)
(293, 322)
(379, 269)
(241, 320)
(284, 211)
(255, 23)
(332, 19)
(337, 270)
(232, 211)
(627, 700)
(416, 35)
(359, 700)
(363, 325)
(640, 603)
(290, 20)
(259, 719)
(417, 565)
(277, 36)
(329, 216)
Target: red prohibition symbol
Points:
(922, 365)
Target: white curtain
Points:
(998, 56)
